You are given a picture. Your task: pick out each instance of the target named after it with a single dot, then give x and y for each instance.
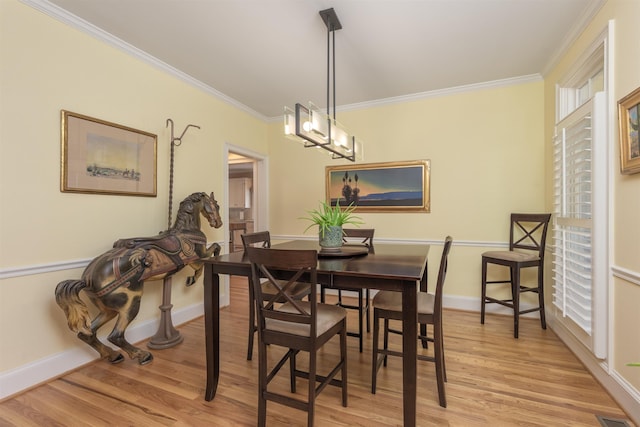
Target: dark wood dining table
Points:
(392, 267)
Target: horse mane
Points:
(184, 217)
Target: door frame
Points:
(259, 201)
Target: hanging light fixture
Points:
(312, 127)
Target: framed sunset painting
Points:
(380, 187)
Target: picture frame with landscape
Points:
(628, 126)
(402, 186)
(101, 157)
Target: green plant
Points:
(327, 216)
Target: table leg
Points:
(212, 330)
(409, 350)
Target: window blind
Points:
(574, 278)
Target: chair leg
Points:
(360, 318)
(543, 321)
(439, 362)
(423, 336)
(386, 338)
(515, 295)
(484, 290)
(312, 388)
(262, 384)
(252, 322)
(343, 357)
(322, 292)
(292, 370)
(374, 351)
(367, 308)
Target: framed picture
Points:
(381, 187)
(105, 158)
(628, 113)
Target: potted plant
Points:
(330, 220)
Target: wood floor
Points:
(493, 380)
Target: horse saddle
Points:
(166, 242)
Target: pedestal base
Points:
(167, 336)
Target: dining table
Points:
(398, 267)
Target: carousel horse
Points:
(114, 280)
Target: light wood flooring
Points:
(493, 380)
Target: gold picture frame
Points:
(628, 124)
(381, 187)
(99, 157)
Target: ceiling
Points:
(264, 54)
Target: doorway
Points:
(241, 204)
(252, 169)
(246, 196)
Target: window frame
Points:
(590, 75)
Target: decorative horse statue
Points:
(114, 280)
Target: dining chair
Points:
(358, 236)
(299, 291)
(527, 238)
(387, 305)
(296, 325)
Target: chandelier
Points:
(309, 125)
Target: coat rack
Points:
(167, 336)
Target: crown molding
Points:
(580, 25)
(435, 93)
(75, 22)
(444, 92)
(80, 24)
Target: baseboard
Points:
(622, 392)
(35, 373)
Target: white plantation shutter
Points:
(578, 149)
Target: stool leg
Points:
(515, 294)
(439, 362)
(386, 338)
(374, 351)
(484, 290)
(360, 317)
(543, 320)
(368, 299)
(252, 321)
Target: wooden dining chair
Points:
(296, 325)
(299, 291)
(358, 236)
(387, 305)
(527, 240)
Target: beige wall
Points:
(486, 152)
(624, 316)
(48, 66)
(488, 149)
(626, 198)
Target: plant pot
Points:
(332, 238)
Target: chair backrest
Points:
(442, 274)
(273, 265)
(364, 236)
(259, 238)
(529, 232)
